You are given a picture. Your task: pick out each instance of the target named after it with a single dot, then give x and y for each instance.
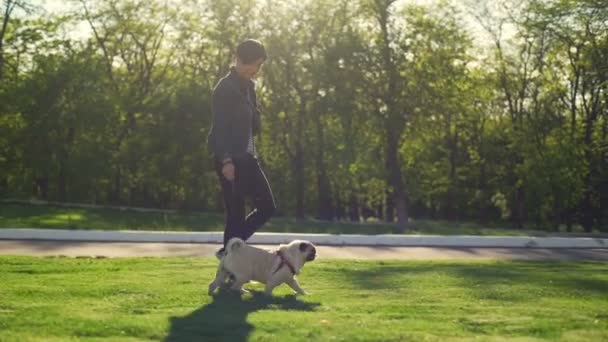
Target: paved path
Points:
(267, 238)
(127, 249)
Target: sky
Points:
(480, 37)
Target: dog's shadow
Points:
(225, 318)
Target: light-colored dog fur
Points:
(247, 263)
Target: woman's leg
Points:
(258, 189)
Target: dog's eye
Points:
(303, 246)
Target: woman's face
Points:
(249, 71)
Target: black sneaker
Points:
(220, 253)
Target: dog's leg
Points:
(238, 286)
(271, 284)
(293, 283)
(228, 282)
(220, 276)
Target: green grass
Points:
(141, 299)
(37, 216)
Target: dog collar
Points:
(284, 261)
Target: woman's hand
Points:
(228, 170)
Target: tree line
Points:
(371, 108)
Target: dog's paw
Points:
(228, 282)
(220, 253)
(211, 289)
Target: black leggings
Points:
(251, 183)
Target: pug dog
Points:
(243, 263)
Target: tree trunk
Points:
(483, 206)
(518, 210)
(298, 155)
(353, 212)
(299, 179)
(557, 214)
(603, 187)
(389, 215)
(453, 148)
(393, 118)
(62, 182)
(41, 188)
(4, 186)
(325, 208)
(339, 208)
(1, 62)
(396, 183)
(9, 5)
(115, 192)
(589, 213)
(587, 208)
(379, 211)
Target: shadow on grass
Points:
(509, 281)
(225, 318)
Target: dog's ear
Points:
(303, 246)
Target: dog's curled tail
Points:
(234, 244)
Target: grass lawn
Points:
(142, 299)
(37, 216)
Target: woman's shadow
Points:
(225, 318)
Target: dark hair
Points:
(250, 51)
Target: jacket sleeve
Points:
(223, 118)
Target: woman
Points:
(236, 120)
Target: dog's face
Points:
(308, 250)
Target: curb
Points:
(87, 206)
(319, 239)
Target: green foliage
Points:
(120, 115)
